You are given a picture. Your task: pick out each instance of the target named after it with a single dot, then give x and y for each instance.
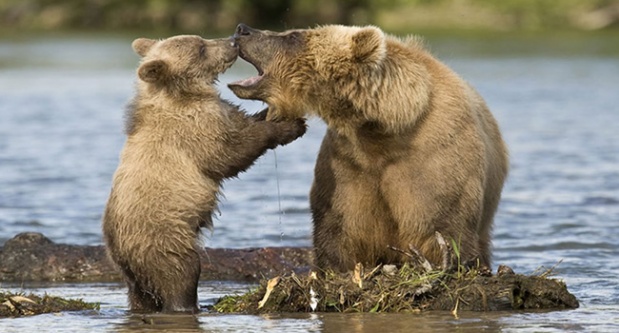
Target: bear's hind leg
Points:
(184, 301)
(141, 300)
(183, 296)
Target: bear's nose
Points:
(243, 30)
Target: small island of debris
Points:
(387, 288)
(19, 305)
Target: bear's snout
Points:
(243, 30)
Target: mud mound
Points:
(391, 289)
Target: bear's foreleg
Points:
(328, 244)
(254, 138)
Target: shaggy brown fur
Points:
(410, 149)
(183, 141)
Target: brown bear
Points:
(411, 149)
(183, 140)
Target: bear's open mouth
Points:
(251, 80)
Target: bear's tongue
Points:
(248, 82)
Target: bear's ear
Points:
(142, 45)
(368, 45)
(153, 71)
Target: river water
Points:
(62, 101)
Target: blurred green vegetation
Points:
(221, 16)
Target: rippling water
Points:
(61, 117)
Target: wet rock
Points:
(33, 257)
(253, 264)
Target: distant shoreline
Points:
(465, 43)
(211, 16)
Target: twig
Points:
(372, 272)
(549, 271)
(454, 312)
(416, 257)
(421, 259)
(393, 248)
(357, 277)
(446, 251)
(270, 286)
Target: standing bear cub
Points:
(183, 140)
(411, 149)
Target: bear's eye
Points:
(294, 38)
(202, 51)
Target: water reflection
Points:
(466, 322)
(288, 323)
(160, 322)
(409, 322)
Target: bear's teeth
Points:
(248, 82)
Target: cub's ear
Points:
(368, 45)
(153, 71)
(142, 45)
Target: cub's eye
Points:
(202, 51)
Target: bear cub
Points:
(183, 140)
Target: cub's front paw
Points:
(290, 130)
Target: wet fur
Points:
(183, 140)
(410, 148)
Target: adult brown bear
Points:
(411, 149)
